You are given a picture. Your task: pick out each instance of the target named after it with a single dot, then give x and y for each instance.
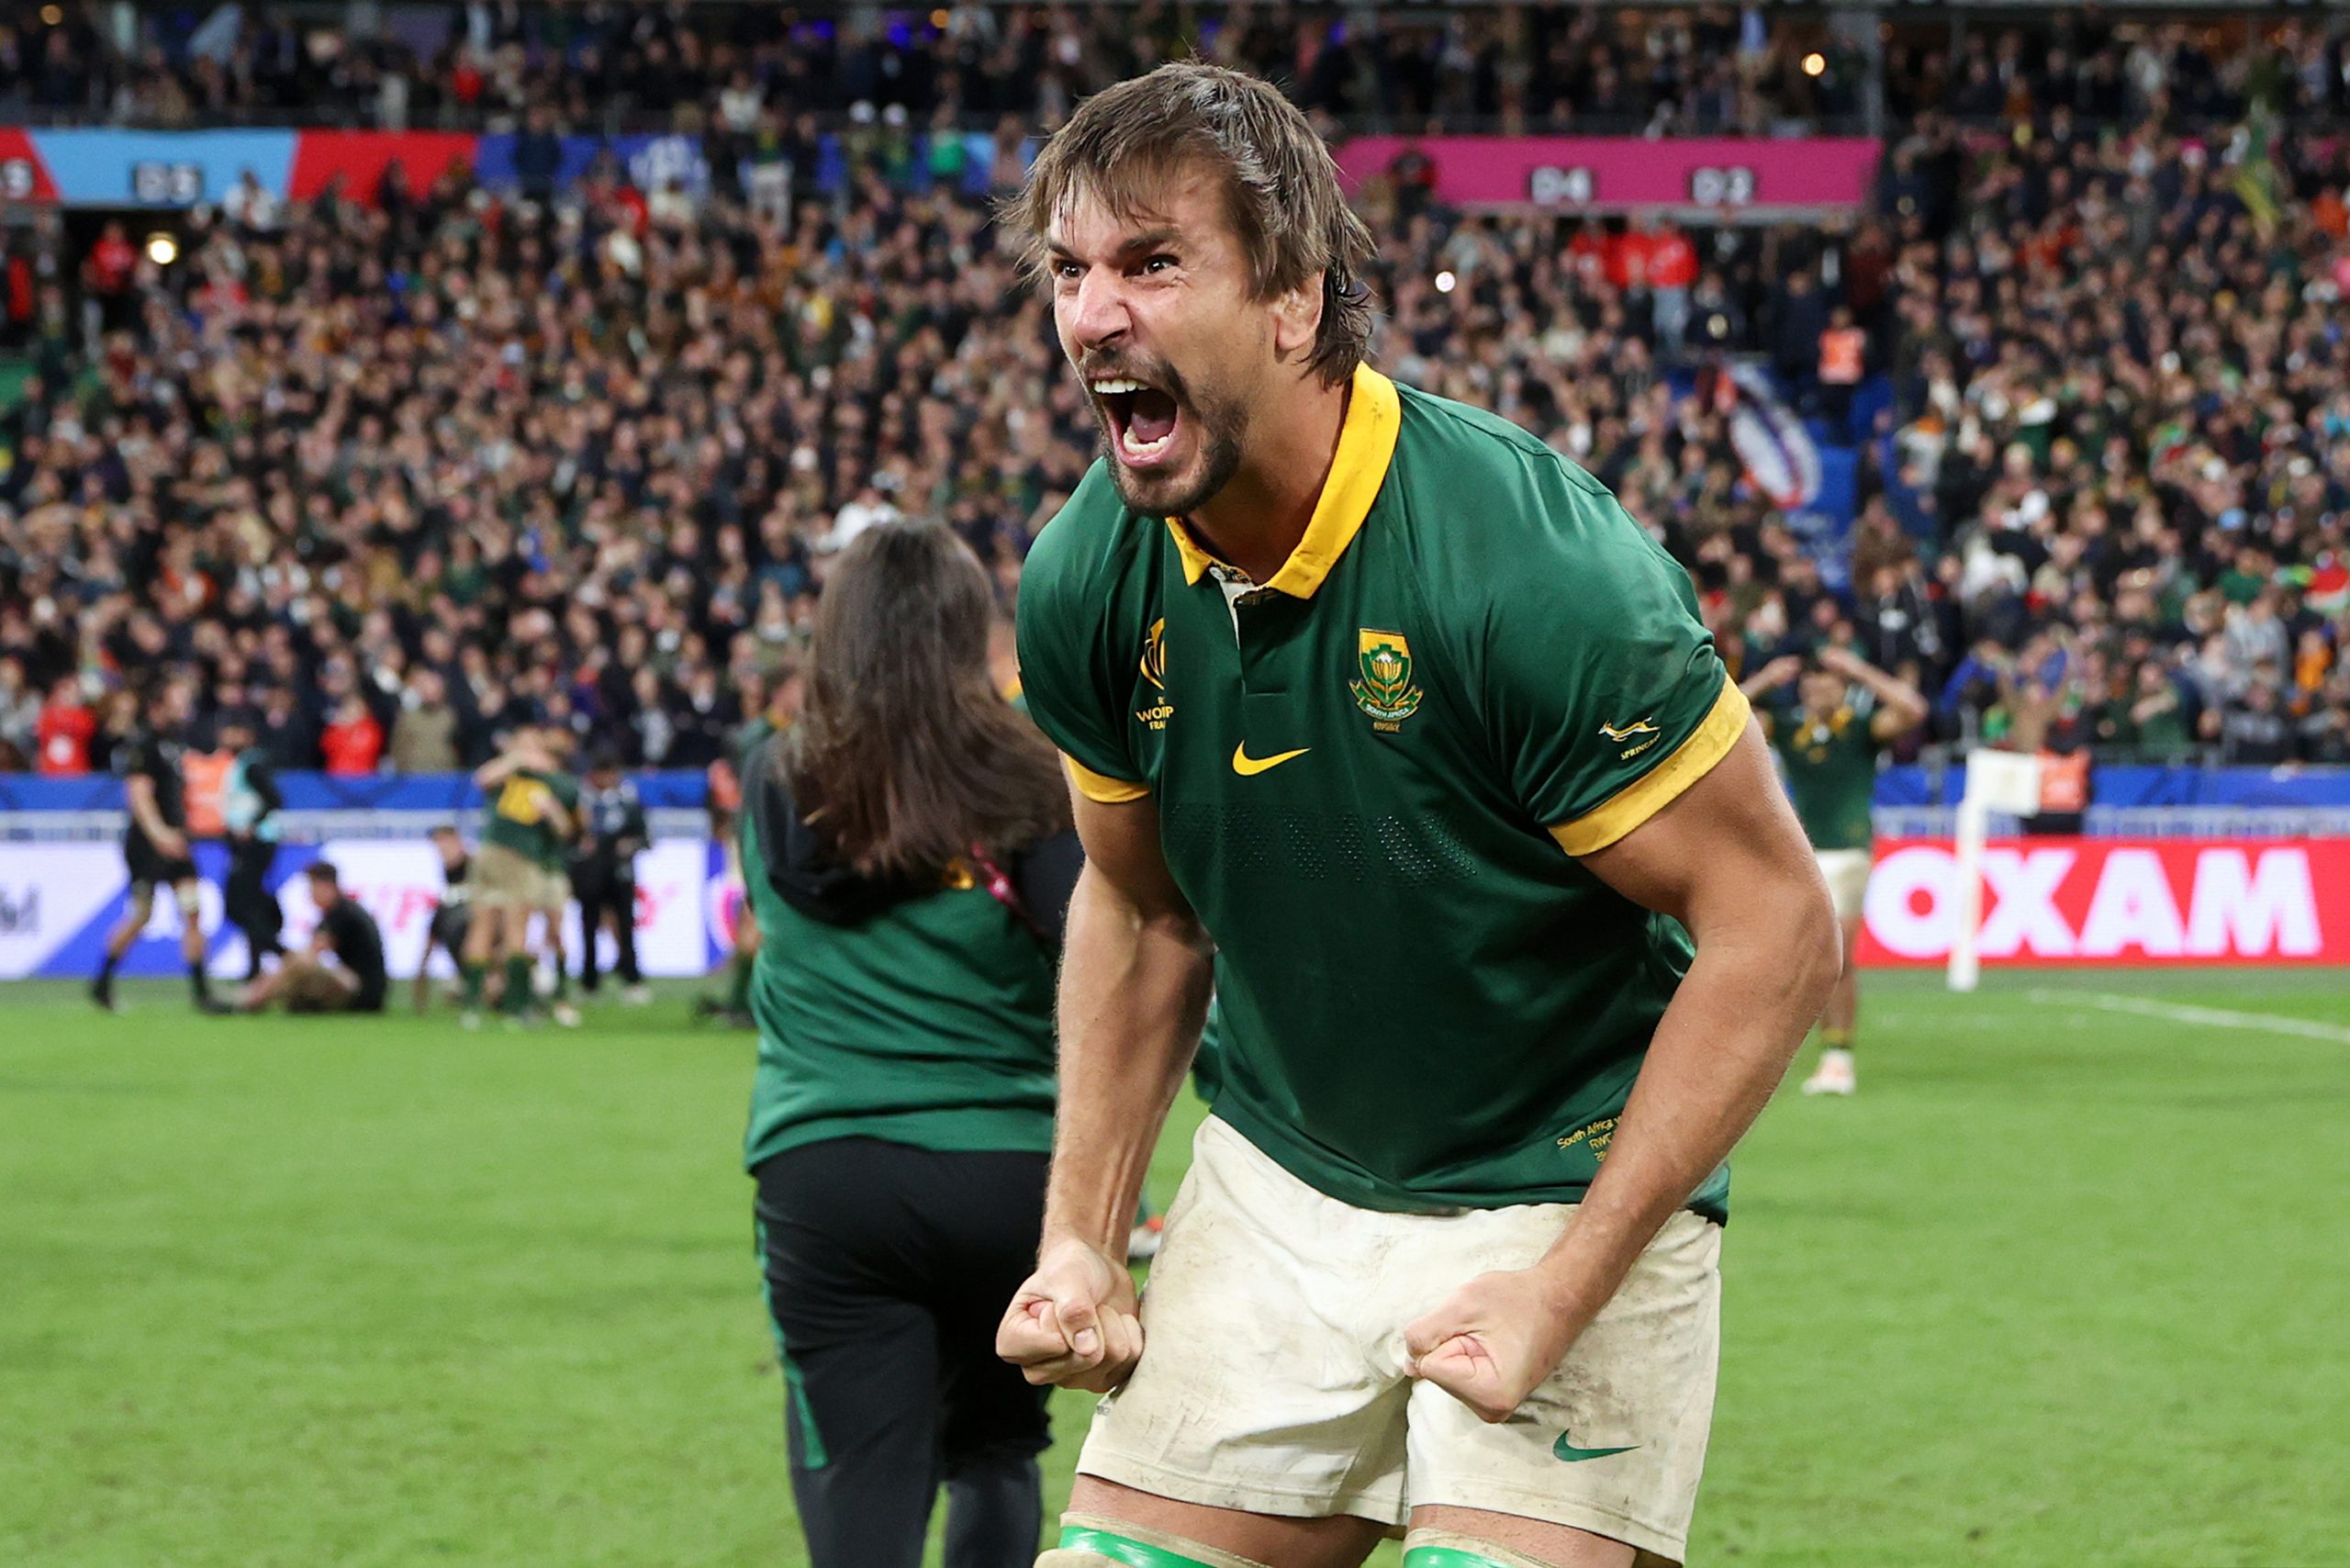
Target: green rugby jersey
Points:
(929, 1022)
(1832, 776)
(1374, 775)
(517, 816)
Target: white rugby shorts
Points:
(1272, 1373)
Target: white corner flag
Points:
(1996, 781)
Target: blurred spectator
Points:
(1843, 350)
(2324, 732)
(2251, 731)
(21, 709)
(66, 728)
(106, 275)
(352, 740)
(424, 737)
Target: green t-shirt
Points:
(930, 1023)
(2165, 738)
(1373, 777)
(519, 820)
(1832, 775)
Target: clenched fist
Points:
(1491, 1342)
(1075, 1322)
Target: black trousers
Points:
(600, 889)
(887, 1269)
(247, 900)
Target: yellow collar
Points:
(1366, 448)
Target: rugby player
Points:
(154, 842)
(553, 899)
(452, 916)
(1849, 712)
(306, 982)
(1388, 722)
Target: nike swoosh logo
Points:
(1249, 766)
(1565, 1450)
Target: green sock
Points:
(518, 985)
(738, 990)
(474, 974)
(562, 979)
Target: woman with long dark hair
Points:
(908, 858)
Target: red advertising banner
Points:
(358, 158)
(1581, 173)
(2063, 901)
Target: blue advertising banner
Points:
(177, 169)
(652, 162)
(682, 789)
(676, 790)
(2122, 786)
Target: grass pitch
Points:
(2064, 1285)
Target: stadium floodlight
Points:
(1996, 781)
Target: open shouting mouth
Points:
(1146, 422)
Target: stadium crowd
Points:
(727, 67)
(394, 477)
(748, 71)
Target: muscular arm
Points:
(1728, 861)
(1135, 978)
(1134, 993)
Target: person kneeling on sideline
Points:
(306, 982)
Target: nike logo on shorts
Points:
(1565, 1450)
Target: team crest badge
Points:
(1385, 691)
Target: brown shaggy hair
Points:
(906, 757)
(1281, 191)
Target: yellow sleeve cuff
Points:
(1660, 785)
(1101, 786)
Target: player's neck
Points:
(1257, 520)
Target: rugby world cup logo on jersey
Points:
(1154, 670)
(1385, 691)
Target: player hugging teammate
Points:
(519, 872)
